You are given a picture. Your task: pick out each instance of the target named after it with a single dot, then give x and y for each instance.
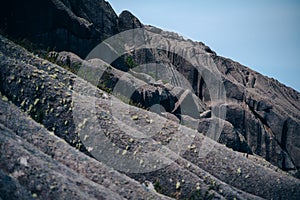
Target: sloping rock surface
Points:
(27, 147)
(64, 137)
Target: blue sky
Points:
(261, 34)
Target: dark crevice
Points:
(263, 121)
(283, 144)
(195, 82)
(253, 83)
(243, 78)
(201, 89)
(259, 141)
(267, 142)
(284, 135)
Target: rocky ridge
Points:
(206, 171)
(49, 113)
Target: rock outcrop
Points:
(27, 142)
(265, 112)
(128, 21)
(173, 120)
(70, 25)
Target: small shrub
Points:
(157, 186)
(130, 62)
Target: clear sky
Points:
(261, 34)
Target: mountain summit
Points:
(99, 106)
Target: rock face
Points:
(261, 109)
(69, 25)
(70, 128)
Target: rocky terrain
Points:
(99, 106)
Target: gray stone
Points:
(35, 147)
(262, 115)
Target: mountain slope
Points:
(182, 97)
(212, 172)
